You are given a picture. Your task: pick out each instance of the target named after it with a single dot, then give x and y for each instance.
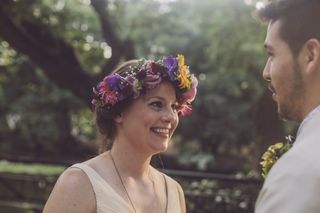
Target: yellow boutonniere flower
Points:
(273, 153)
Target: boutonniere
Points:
(273, 153)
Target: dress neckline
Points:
(95, 173)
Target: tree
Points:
(30, 35)
(37, 35)
(75, 43)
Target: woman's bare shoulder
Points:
(68, 193)
(73, 180)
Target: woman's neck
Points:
(130, 161)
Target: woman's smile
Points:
(162, 132)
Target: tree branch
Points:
(53, 55)
(119, 48)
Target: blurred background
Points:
(52, 52)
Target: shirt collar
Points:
(309, 117)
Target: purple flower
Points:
(125, 90)
(171, 64)
(113, 81)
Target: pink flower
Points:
(190, 95)
(152, 80)
(153, 76)
(110, 97)
(185, 110)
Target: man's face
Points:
(283, 73)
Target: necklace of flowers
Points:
(125, 189)
(273, 153)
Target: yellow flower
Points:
(180, 60)
(276, 146)
(270, 157)
(184, 75)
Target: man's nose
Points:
(266, 71)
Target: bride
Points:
(137, 111)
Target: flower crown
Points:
(147, 74)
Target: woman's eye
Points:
(156, 104)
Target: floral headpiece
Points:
(147, 75)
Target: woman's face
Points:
(148, 124)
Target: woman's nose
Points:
(169, 115)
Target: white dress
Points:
(109, 201)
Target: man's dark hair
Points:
(300, 20)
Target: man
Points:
(293, 73)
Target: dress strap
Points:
(107, 199)
(167, 195)
(90, 172)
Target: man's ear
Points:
(311, 56)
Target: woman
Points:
(137, 110)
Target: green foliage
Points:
(36, 112)
(32, 169)
(214, 196)
(223, 45)
(221, 42)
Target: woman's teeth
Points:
(161, 130)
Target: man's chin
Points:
(283, 113)
(287, 115)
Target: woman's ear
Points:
(118, 118)
(311, 56)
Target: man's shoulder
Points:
(306, 150)
(292, 182)
(299, 163)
